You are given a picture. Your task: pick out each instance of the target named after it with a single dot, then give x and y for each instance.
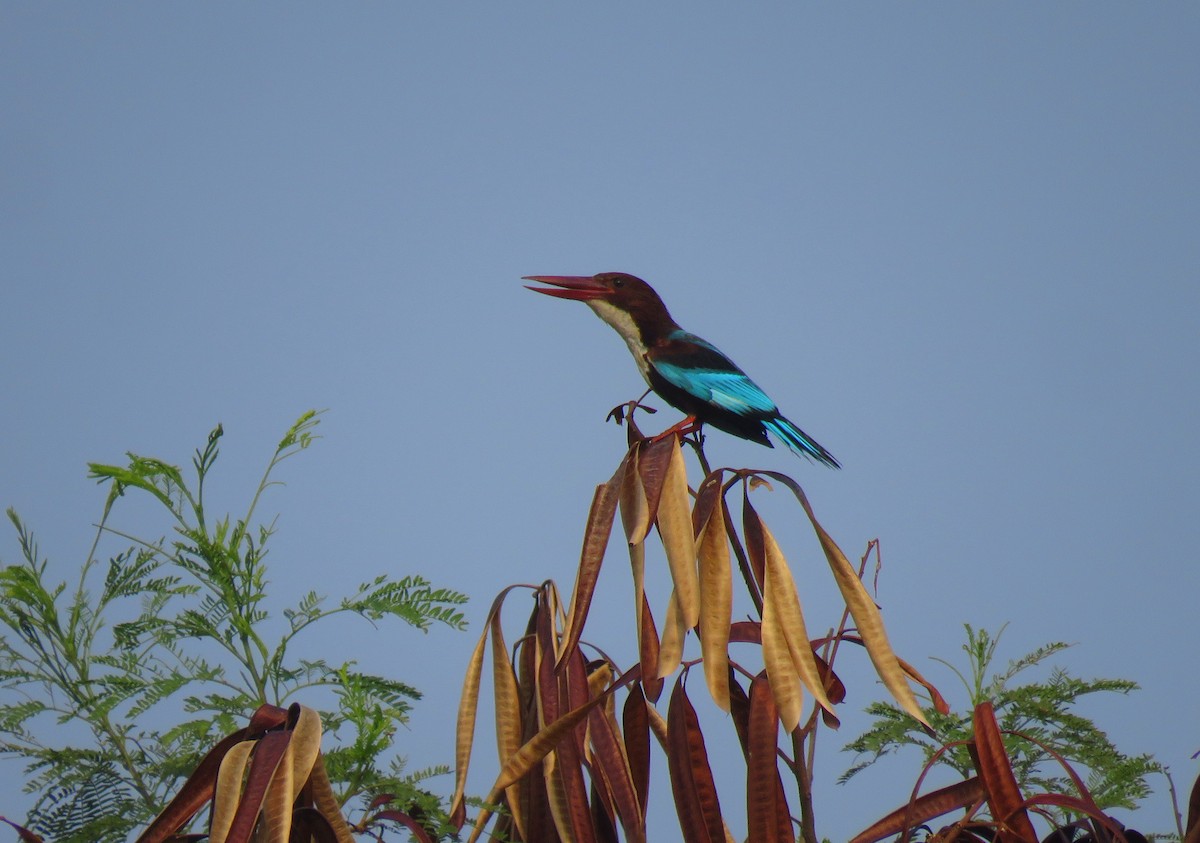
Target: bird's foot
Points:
(683, 428)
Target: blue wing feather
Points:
(701, 370)
(732, 391)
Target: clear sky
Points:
(958, 243)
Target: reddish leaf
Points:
(1086, 807)
(549, 736)
(547, 682)
(1090, 832)
(309, 824)
(267, 755)
(652, 466)
(198, 790)
(532, 753)
(767, 817)
(267, 717)
(609, 761)
(380, 800)
(527, 665)
(966, 831)
(636, 725)
(1003, 795)
(745, 632)
(834, 688)
(535, 809)
(648, 652)
(752, 533)
(574, 691)
(568, 770)
(1090, 808)
(692, 783)
(297, 765)
(739, 708)
(924, 808)
(560, 789)
(602, 821)
(939, 702)
(750, 632)
(595, 542)
(739, 552)
(706, 498)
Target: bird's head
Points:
(624, 301)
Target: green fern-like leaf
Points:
(1036, 717)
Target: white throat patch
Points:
(624, 325)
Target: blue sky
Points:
(956, 243)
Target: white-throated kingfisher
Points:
(689, 373)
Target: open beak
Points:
(578, 287)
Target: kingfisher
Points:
(689, 373)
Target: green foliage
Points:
(179, 626)
(1043, 715)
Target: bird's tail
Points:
(799, 441)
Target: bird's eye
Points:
(618, 282)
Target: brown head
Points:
(622, 300)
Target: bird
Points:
(689, 373)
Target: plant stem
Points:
(803, 774)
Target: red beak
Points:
(578, 287)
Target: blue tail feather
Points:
(799, 441)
